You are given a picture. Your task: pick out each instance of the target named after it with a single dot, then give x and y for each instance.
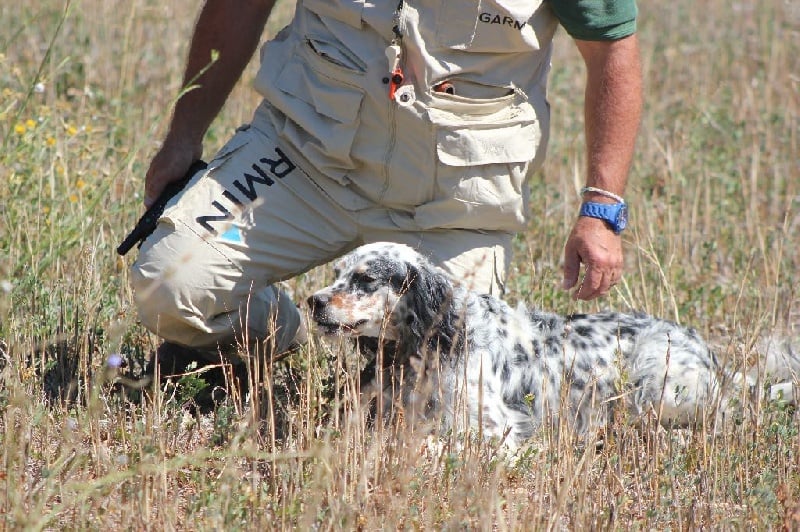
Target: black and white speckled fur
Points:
(516, 370)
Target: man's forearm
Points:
(233, 30)
(613, 104)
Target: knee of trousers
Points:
(179, 310)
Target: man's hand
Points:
(170, 164)
(592, 243)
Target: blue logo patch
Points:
(232, 235)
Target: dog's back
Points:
(530, 368)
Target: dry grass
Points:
(86, 92)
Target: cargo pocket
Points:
(484, 149)
(320, 104)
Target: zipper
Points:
(394, 54)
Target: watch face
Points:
(622, 218)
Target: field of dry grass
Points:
(86, 87)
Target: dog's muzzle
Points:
(320, 313)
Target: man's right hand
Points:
(170, 164)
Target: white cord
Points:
(602, 192)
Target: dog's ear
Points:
(429, 288)
(428, 297)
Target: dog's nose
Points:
(317, 302)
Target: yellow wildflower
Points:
(80, 184)
(73, 198)
(27, 374)
(72, 130)
(51, 141)
(20, 129)
(30, 123)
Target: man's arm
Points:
(233, 29)
(612, 109)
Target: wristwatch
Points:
(614, 214)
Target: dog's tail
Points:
(778, 367)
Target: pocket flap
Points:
(327, 96)
(511, 143)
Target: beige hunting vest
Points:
(452, 143)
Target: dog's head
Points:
(382, 290)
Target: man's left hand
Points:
(593, 244)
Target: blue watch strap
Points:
(615, 215)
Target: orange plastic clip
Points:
(395, 81)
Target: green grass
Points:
(86, 90)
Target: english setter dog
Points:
(515, 370)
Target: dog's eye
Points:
(399, 282)
(361, 279)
